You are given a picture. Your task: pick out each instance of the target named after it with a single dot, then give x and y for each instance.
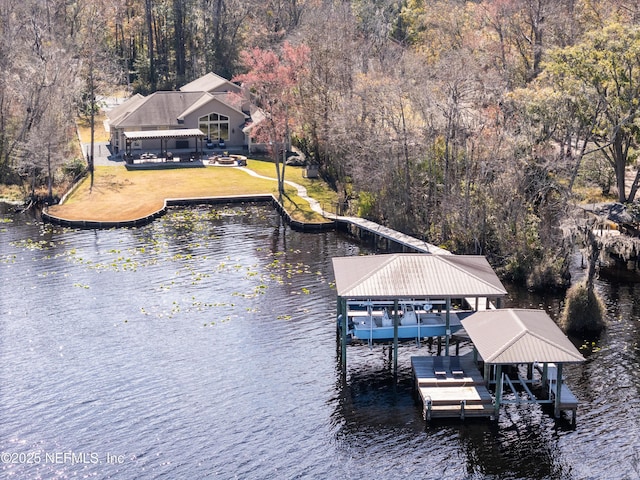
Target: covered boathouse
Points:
(523, 352)
(400, 297)
(405, 296)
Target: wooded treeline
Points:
(472, 124)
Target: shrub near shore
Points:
(584, 311)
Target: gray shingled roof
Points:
(165, 109)
(399, 276)
(512, 336)
(210, 83)
(125, 108)
(160, 109)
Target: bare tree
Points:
(35, 141)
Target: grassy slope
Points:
(119, 194)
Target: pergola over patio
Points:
(406, 276)
(164, 136)
(523, 336)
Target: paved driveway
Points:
(101, 154)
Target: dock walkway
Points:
(450, 390)
(381, 231)
(407, 241)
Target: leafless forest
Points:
(476, 125)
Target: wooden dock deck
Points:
(377, 230)
(407, 242)
(447, 395)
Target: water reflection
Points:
(520, 446)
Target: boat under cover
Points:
(377, 325)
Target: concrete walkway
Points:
(361, 223)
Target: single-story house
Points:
(212, 104)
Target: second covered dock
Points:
(521, 353)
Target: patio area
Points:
(162, 163)
(184, 159)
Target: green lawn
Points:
(122, 195)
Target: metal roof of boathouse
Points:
(415, 275)
(513, 336)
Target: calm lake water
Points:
(203, 346)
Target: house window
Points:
(214, 126)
